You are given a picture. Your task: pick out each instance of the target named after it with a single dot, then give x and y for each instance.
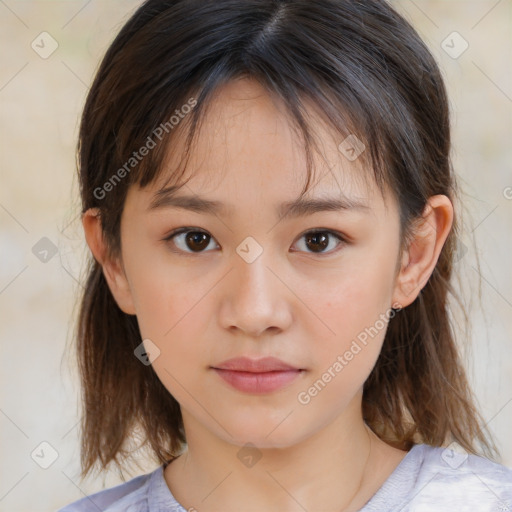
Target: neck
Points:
(334, 469)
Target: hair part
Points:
(361, 68)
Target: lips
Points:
(257, 376)
(245, 364)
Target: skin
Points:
(293, 303)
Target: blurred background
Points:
(50, 51)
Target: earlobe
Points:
(422, 254)
(112, 269)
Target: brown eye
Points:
(189, 241)
(196, 240)
(318, 241)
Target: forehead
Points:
(247, 149)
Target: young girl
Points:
(282, 343)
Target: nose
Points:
(255, 298)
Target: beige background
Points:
(40, 101)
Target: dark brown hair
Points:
(365, 71)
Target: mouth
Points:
(257, 376)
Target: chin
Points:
(263, 433)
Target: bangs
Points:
(300, 112)
(175, 55)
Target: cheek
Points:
(176, 322)
(173, 313)
(165, 295)
(355, 301)
(344, 358)
(352, 317)
(176, 327)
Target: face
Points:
(241, 281)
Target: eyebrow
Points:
(167, 198)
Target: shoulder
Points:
(126, 497)
(464, 467)
(447, 479)
(441, 479)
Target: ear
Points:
(420, 258)
(112, 268)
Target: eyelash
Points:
(342, 239)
